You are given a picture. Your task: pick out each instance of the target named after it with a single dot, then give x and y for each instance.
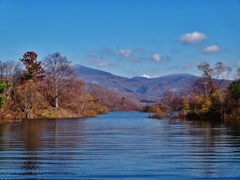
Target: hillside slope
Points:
(140, 89)
(113, 100)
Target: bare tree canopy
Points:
(60, 77)
(212, 78)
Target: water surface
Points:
(119, 145)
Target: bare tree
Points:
(58, 76)
(10, 73)
(207, 97)
(212, 78)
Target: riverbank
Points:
(8, 116)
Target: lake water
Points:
(119, 145)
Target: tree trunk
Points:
(56, 93)
(56, 98)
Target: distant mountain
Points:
(101, 78)
(177, 83)
(140, 89)
(86, 71)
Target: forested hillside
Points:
(113, 100)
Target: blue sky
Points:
(125, 37)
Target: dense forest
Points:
(208, 98)
(44, 89)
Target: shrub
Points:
(89, 113)
(159, 114)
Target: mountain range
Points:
(140, 89)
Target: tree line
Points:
(211, 97)
(44, 89)
(50, 89)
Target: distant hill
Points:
(140, 89)
(89, 71)
(115, 101)
(177, 83)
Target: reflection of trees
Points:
(32, 142)
(1, 138)
(235, 131)
(206, 141)
(41, 140)
(235, 126)
(41, 134)
(48, 134)
(32, 134)
(68, 134)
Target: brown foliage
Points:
(34, 70)
(32, 98)
(59, 75)
(69, 90)
(171, 102)
(26, 100)
(112, 100)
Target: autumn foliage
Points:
(39, 92)
(113, 100)
(33, 69)
(206, 99)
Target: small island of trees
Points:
(44, 89)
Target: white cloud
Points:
(103, 64)
(99, 62)
(126, 52)
(193, 38)
(211, 49)
(156, 57)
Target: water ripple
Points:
(119, 145)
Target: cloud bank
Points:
(211, 49)
(193, 38)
